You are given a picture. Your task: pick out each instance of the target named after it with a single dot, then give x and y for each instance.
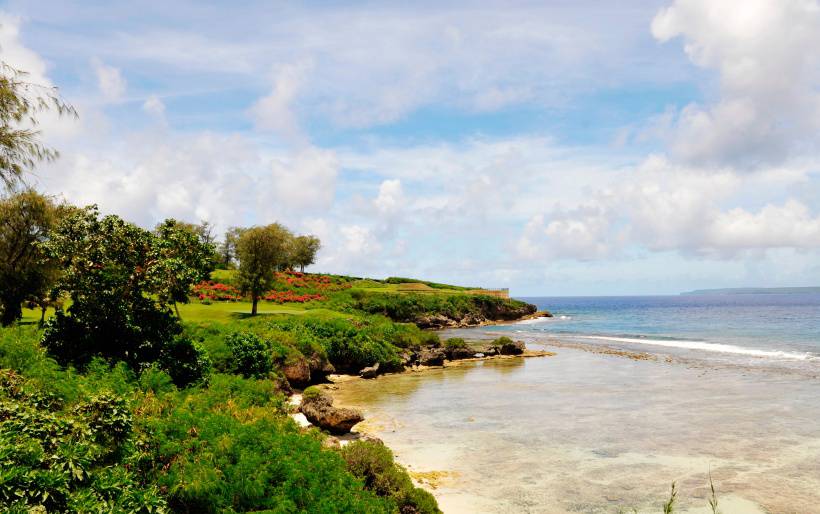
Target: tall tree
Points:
(305, 249)
(261, 251)
(20, 145)
(186, 256)
(227, 249)
(121, 280)
(25, 272)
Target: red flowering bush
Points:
(293, 279)
(209, 290)
(291, 296)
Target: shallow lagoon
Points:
(586, 432)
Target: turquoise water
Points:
(778, 328)
(731, 387)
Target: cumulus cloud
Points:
(110, 81)
(664, 207)
(767, 55)
(274, 112)
(304, 181)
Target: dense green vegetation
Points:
(113, 439)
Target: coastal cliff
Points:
(444, 311)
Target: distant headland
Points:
(754, 290)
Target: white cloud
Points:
(275, 111)
(303, 181)
(767, 54)
(154, 106)
(390, 198)
(109, 79)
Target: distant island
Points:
(754, 290)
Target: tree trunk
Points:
(255, 301)
(176, 309)
(302, 266)
(43, 308)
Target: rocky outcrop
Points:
(432, 357)
(297, 371)
(459, 353)
(320, 367)
(370, 371)
(318, 409)
(510, 347)
(484, 313)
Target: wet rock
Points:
(318, 409)
(432, 357)
(370, 371)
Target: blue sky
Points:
(557, 148)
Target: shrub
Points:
(59, 461)
(186, 361)
(229, 448)
(250, 355)
(453, 343)
(133, 333)
(373, 463)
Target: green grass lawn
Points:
(228, 311)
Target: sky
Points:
(554, 147)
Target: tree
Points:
(227, 249)
(185, 256)
(20, 145)
(261, 251)
(26, 274)
(121, 279)
(305, 249)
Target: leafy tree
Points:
(227, 249)
(186, 257)
(304, 250)
(25, 272)
(121, 279)
(20, 101)
(261, 251)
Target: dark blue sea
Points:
(763, 327)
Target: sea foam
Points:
(709, 347)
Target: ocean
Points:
(725, 386)
(782, 329)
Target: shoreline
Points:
(438, 447)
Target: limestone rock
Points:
(318, 409)
(432, 357)
(512, 348)
(297, 371)
(370, 371)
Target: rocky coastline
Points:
(315, 405)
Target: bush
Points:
(60, 461)
(229, 448)
(453, 343)
(250, 355)
(373, 463)
(186, 361)
(135, 334)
